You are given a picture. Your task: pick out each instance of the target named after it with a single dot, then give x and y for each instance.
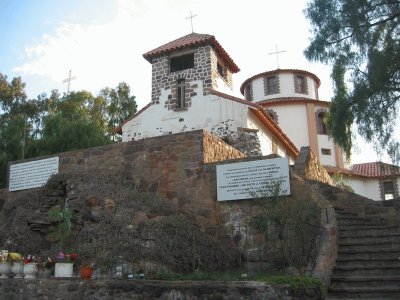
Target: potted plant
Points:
(17, 264)
(30, 267)
(86, 270)
(5, 265)
(64, 266)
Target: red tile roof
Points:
(368, 170)
(191, 40)
(376, 169)
(297, 71)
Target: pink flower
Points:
(60, 255)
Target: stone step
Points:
(374, 231)
(378, 256)
(371, 270)
(384, 248)
(345, 241)
(356, 219)
(364, 281)
(392, 292)
(367, 262)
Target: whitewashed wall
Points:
(365, 187)
(324, 141)
(265, 138)
(292, 119)
(286, 88)
(212, 113)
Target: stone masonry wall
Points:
(205, 70)
(308, 166)
(20, 289)
(163, 79)
(216, 150)
(170, 166)
(182, 168)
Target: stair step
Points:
(372, 232)
(366, 271)
(356, 219)
(390, 247)
(364, 281)
(378, 240)
(369, 263)
(392, 292)
(381, 256)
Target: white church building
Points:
(281, 110)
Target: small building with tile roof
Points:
(375, 180)
(191, 89)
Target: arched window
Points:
(321, 126)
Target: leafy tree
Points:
(361, 40)
(53, 124)
(16, 116)
(120, 106)
(77, 122)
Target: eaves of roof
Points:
(192, 40)
(277, 71)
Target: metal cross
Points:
(69, 79)
(277, 54)
(191, 19)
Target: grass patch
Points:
(299, 285)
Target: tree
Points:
(53, 124)
(78, 121)
(361, 40)
(120, 106)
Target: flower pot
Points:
(64, 270)
(5, 269)
(17, 269)
(86, 272)
(30, 270)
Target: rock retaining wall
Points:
(35, 289)
(308, 166)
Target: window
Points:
(388, 190)
(325, 151)
(321, 126)
(221, 70)
(271, 85)
(182, 62)
(180, 101)
(248, 93)
(300, 84)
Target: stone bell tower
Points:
(189, 66)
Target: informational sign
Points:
(253, 179)
(32, 174)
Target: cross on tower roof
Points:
(191, 19)
(277, 54)
(69, 79)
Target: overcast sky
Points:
(102, 41)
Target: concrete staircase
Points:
(367, 265)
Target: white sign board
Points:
(244, 180)
(32, 174)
